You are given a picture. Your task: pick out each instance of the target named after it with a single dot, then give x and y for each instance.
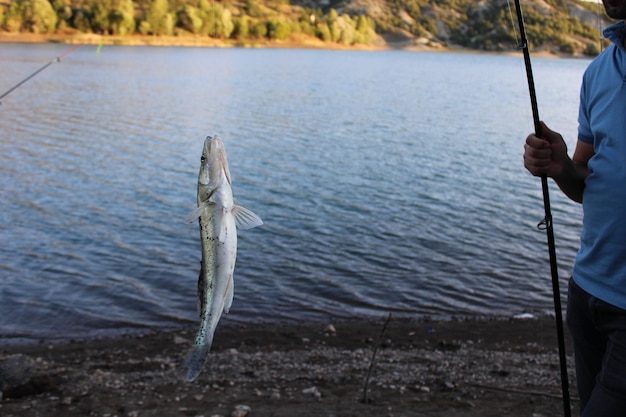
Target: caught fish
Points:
(219, 219)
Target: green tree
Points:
(190, 19)
(63, 9)
(333, 26)
(113, 16)
(278, 29)
(38, 16)
(100, 15)
(592, 49)
(346, 30)
(323, 32)
(160, 21)
(13, 18)
(253, 9)
(241, 29)
(217, 20)
(81, 20)
(122, 17)
(365, 32)
(259, 30)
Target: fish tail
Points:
(195, 362)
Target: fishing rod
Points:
(57, 59)
(546, 223)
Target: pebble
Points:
(312, 391)
(180, 340)
(241, 410)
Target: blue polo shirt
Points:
(600, 267)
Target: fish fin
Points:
(230, 294)
(246, 219)
(194, 362)
(197, 212)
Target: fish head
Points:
(213, 163)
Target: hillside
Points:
(555, 26)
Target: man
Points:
(595, 176)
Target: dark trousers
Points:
(599, 333)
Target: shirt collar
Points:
(616, 33)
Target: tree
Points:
(63, 10)
(259, 30)
(160, 22)
(113, 16)
(38, 16)
(253, 9)
(278, 29)
(190, 19)
(13, 18)
(323, 32)
(365, 32)
(346, 28)
(122, 17)
(81, 21)
(333, 26)
(217, 20)
(241, 29)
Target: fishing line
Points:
(57, 59)
(546, 223)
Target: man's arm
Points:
(572, 179)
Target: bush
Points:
(241, 28)
(278, 29)
(259, 30)
(592, 49)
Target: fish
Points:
(219, 216)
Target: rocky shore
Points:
(458, 368)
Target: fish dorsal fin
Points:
(246, 219)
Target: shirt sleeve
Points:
(584, 127)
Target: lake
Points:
(388, 181)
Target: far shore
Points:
(296, 42)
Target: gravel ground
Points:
(477, 367)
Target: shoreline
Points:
(297, 42)
(301, 42)
(458, 368)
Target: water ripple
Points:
(379, 193)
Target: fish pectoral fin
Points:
(246, 219)
(197, 212)
(230, 293)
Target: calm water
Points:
(388, 182)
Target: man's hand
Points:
(547, 155)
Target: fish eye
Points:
(202, 158)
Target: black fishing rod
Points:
(546, 223)
(57, 59)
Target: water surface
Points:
(388, 182)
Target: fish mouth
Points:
(216, 160)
